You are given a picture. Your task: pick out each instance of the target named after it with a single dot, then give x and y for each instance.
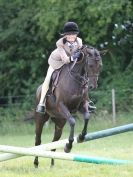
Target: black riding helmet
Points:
(70, 28)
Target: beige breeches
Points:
(45, 85)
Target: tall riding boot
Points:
(40, 108)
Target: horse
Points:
(69, 96)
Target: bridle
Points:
(83, 80)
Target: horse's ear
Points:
(103, 52)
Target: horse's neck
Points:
(78, 68)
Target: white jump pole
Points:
(56, 144)
(62, 156)
(61, 143)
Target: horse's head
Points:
(93, 64)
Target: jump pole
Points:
(61, 143)
(62, 156)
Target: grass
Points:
(119, 146)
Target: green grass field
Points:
(117, 146)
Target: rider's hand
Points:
(75, 56)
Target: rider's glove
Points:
(75, 56)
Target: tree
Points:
(30, 29)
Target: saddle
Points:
(54, 80)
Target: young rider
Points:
(63, 54)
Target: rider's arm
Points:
(63, 55)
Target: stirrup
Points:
(91, 106)
(40, 109)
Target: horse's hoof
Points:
(36, 165)
(51, 166)
(52, 163)
(67, 149)
(80, 138)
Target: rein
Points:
(81, 79)
(75, 61)
(84, 80)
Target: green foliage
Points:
(30, 29)
(21, 48)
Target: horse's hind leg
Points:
(86, 115)
(40, 119)
(59, 124)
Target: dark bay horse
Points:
(70, 95)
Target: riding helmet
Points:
(70, 28)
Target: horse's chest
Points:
(74, 102)
(75, 99)
(74, 96)
(77, 94)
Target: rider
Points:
(63, 54)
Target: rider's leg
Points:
(45, 87)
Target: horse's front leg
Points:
(86, 116)
(64, 112)
(39, 121)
